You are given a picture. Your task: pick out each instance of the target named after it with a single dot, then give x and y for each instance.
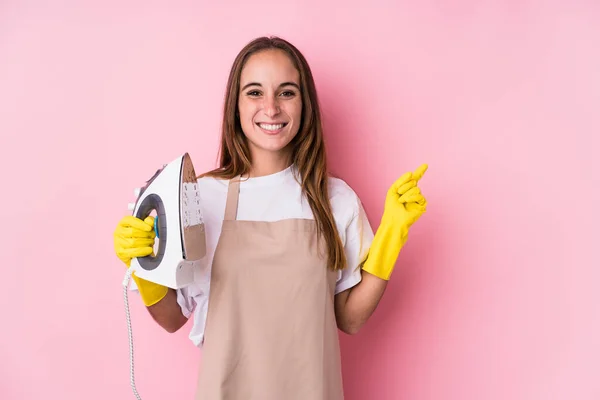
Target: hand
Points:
(135, 238)
(404, 205)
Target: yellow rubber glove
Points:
(135, 238)
(404, 204)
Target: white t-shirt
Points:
(271, 198)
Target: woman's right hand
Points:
(134, 238)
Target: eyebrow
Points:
(282, 85)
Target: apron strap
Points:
(233, 192)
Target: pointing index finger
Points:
(401, 181)
(419, 172)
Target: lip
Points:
(270, 132)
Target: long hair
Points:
(308, 147)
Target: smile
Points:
(271, 127)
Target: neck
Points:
(267, 162)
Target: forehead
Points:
(269, 67)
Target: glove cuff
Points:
(150, 292)
(384, 251)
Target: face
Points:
(270, 101)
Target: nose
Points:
(271, 106)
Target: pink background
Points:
(495, 296)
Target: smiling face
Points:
(270, 102)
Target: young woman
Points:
(291, 254)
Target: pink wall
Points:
(495, 296)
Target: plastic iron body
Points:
(173, 193)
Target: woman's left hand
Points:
(404, 205)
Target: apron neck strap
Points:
(233, 192)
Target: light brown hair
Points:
(308, 147)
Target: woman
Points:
(291, 254)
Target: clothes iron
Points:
(173, 193)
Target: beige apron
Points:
(270, 331)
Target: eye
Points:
(288, 93)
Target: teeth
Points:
(271, 127)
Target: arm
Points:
(404, 205)
(353, 307)
(135, 238)
(167, 312)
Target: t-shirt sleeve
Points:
(358, 238)
(186, 300)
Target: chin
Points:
(272, 147)
(276, 143)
